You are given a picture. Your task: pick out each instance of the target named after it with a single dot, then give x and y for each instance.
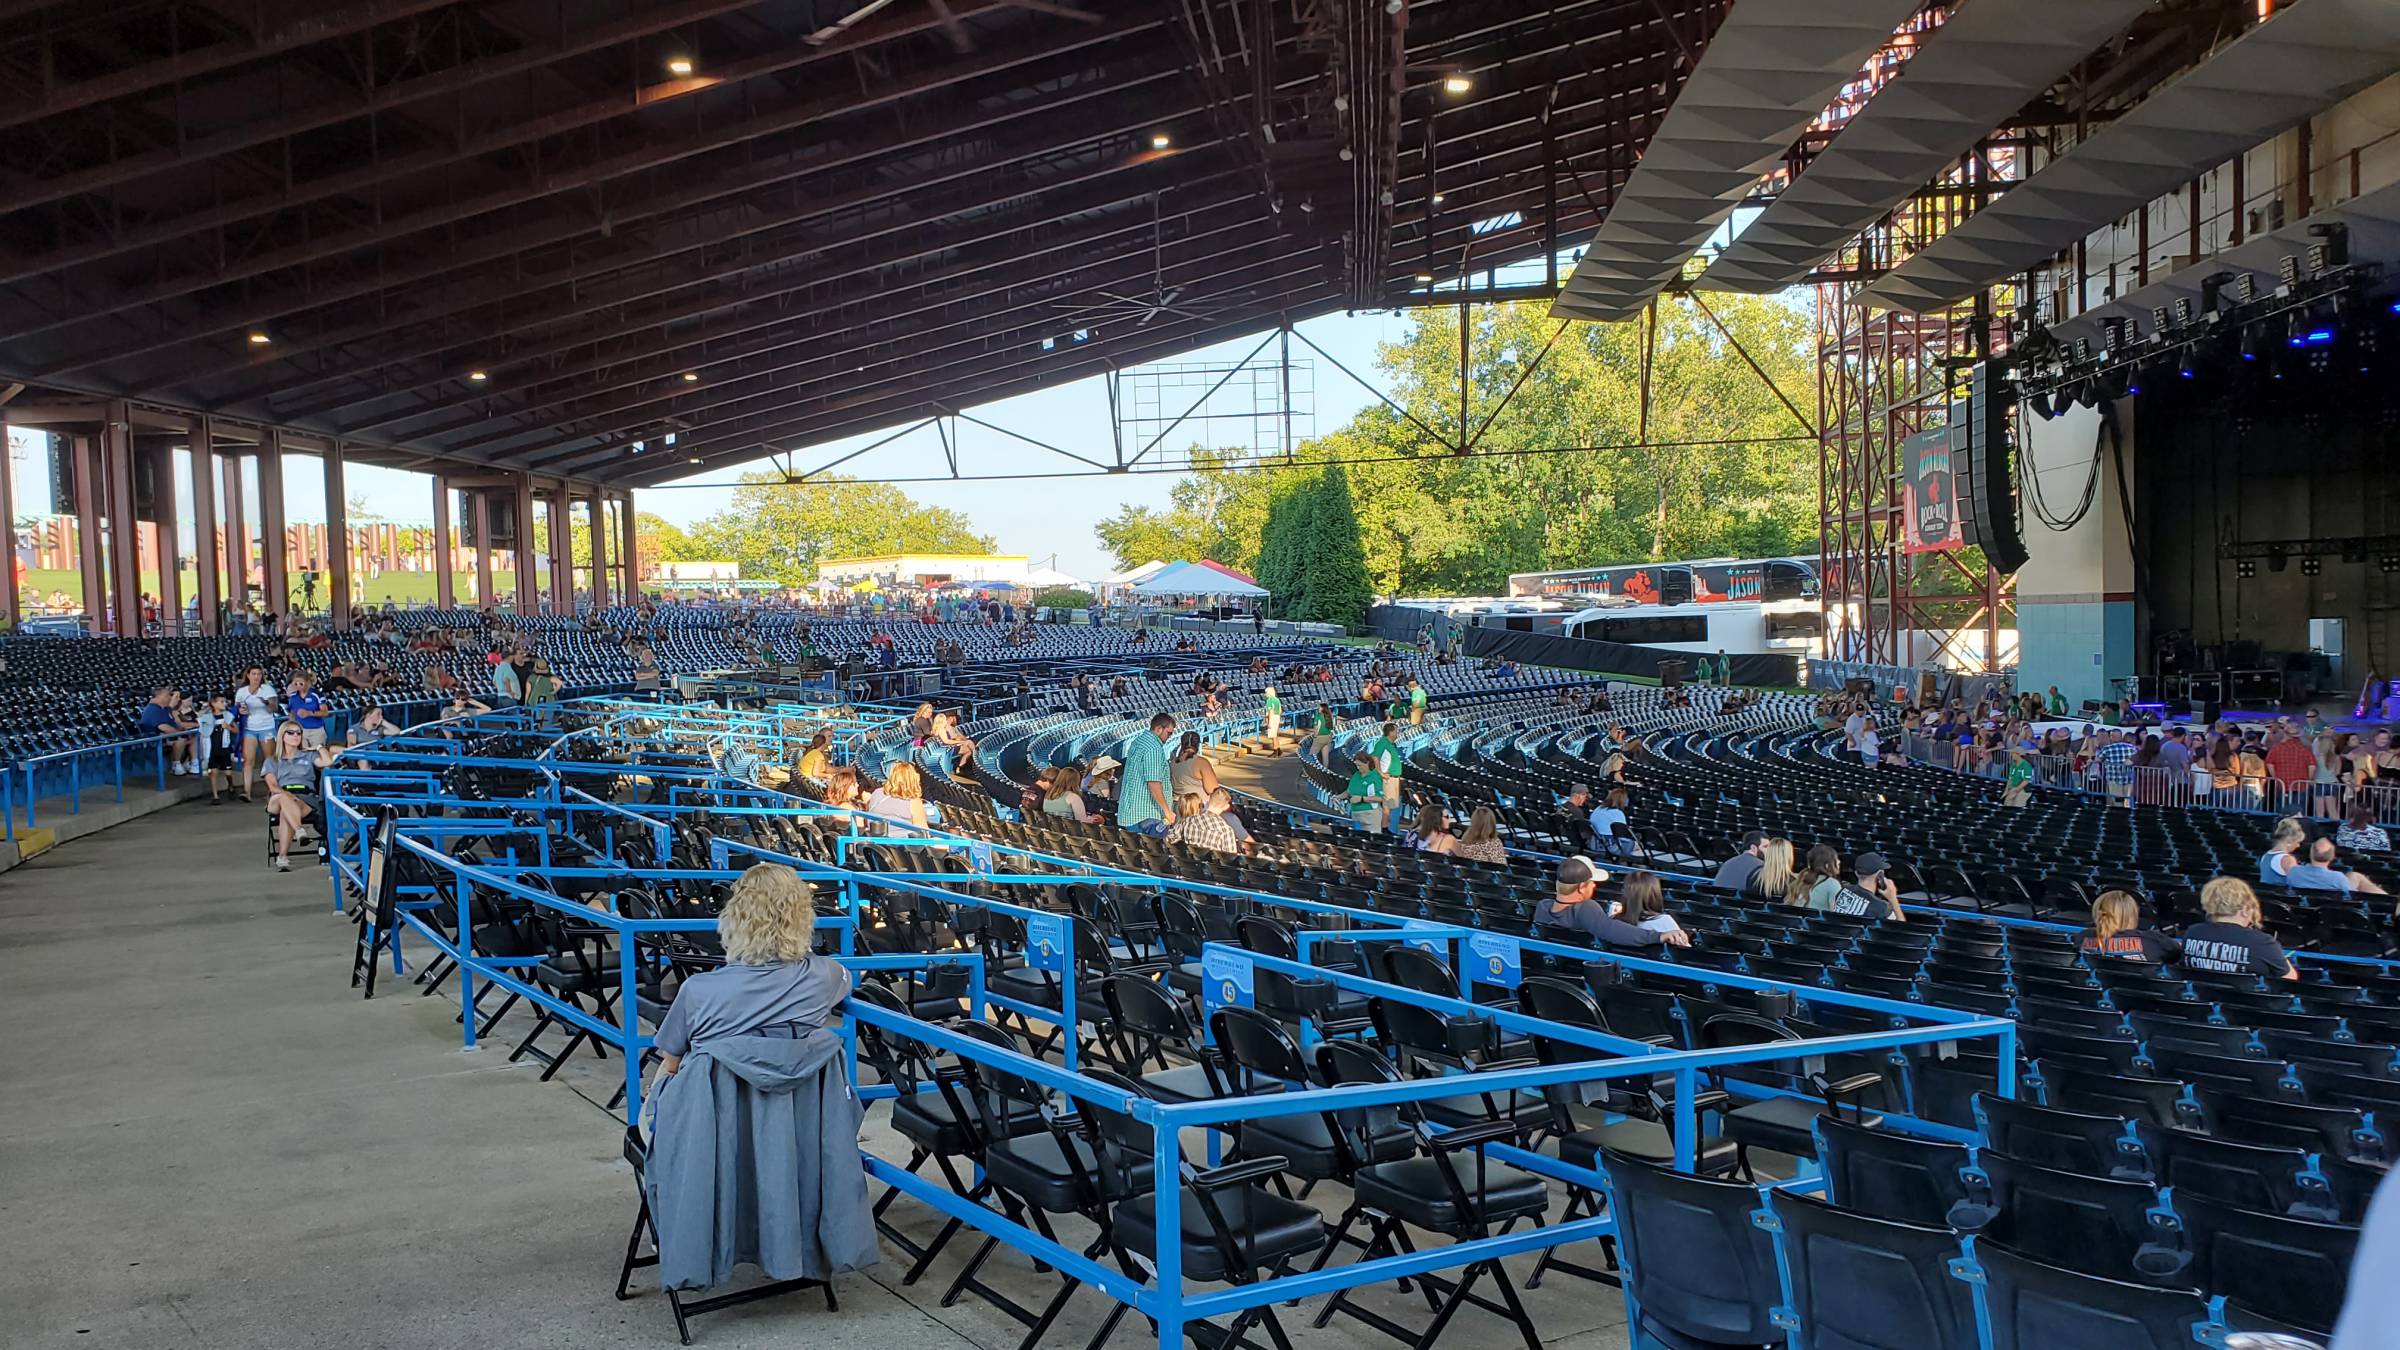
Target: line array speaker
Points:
(1987, 496)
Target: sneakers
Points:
(282, 863)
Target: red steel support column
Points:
(482, 501)
(337, 537)
(529, 591)
(91, 565)
(562, 552)
(206, 590)
(170, 551)
(445, 587)
(237, 537)
(8, 520)
(272, 547)
(124, 531)
(598, 515)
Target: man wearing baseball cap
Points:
(1575, 908)
(1870, 887)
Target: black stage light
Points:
(2287, 267)
(2310, 567)
(2245, 288)
(2389, 562)
(2245, 569)
(2183, 310)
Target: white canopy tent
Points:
(1194, 579)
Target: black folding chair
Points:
(1861, 1280)
(2035, 1305)
(685, 1309)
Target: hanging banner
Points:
(1930, 504)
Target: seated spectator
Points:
(1605, 818)
(1816, 884)
(843, 789)
(1574, 908)
(2283, 852)
(1063, 794)
(1101, 785)
(1481, 842)
(1575, 816)
(1872, 888)
(292, 774)
(1432, 831)
(2359, 830)
(160, 718)
(370, 727)
(817, 758)
(901, 798)
(2117, 931)
(1643, 903)
(2320, 874)
(462, 706)
(1737, 872)
(2229, 941)
(1200, 827)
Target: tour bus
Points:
(1791, 627)
(1705, 581)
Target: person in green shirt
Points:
(1320, 729)
(1700, 671)
(1387, 761)
(1416, 702)
(1365, 794)
(2020, 778)
(2055, 701)
(1273, 707)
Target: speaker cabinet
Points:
(1987, 496)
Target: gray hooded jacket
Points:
(754, 1159)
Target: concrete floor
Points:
(208, 1140)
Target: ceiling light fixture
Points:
(691, 377)
(1160, 140)
(1424, 278)
(260, 339)
(1439, 198)
(1457, 84)
(679, 66)
(695, 459)
(477, 376)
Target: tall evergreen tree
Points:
(1336, 589)
(1278, 562)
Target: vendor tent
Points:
(1194, 579)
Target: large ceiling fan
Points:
(1139, 310)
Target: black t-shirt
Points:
(2134, 944)
(2233, 949)
(1855, 902)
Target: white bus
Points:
(1792, 627)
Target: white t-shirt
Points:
(1661, 923)
(1870, 746)
(257, 708)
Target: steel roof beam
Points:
(611, 167)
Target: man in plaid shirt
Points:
(2116, 762)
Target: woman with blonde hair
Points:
(2117, 932)
(1481, 842)
(771, 978)
(2283, 851)
(1774, 875)
(843, 789)
(901, 798)
(1063, 795)
(2230, 941)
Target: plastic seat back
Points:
(2039, 1306)
(1893, 1175)
(1700, 1269)
(2291, 1269)
(1862, 1281)
(2069, 1140)
(2094, 1223)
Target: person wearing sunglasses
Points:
(293, 769)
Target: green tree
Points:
(658, 538)
(1334, 586)
(778, 529)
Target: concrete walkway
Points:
(208, 1140)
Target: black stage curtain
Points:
(1618, 658)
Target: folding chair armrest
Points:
(1846, 1087)
(1237, 1174)
(1520, 1062)
(1469, 1136)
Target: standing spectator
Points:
(1143, 804)
(1870, 746)
(1364, 793)
(2174, 767)
(1736, 873)
(1416, 702)
(255, 700)
(2115, 757)
(1272, 705)
(220, 740)
(2019, 788)
(1388, 763)
(307, 707)
(2359, 831)
(1191, 771)
(2326, 779)
(2054, 702)
(159, 718)
(2230, 942)
(1320, 730)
